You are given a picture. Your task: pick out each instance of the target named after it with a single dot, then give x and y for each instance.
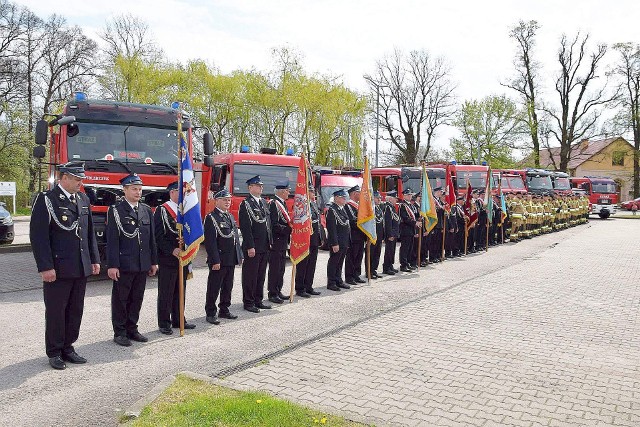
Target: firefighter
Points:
(355, 253)
(164, 220)
(132, 255)
(339, 238)
(255, 226)
(408, 222)
(376, 249)
(306, 269)
(391, 232)
(281, 232)
(66, 253)
(224, 252)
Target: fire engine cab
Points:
(602, 193)
(399, 178)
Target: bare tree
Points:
(416, 97)
(11, 74)
(579, 108)
(525, 81)
(627, 70)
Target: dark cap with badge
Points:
(73, 168)
(256, 180)
(407, 191)
(283, 185)
(392, 193)
(340, 193)
(172, 186)
(222, 194)
(437, 189)
(376, 193)
(131, 179)
(460, 198)
(354, 188)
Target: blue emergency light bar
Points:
(79, 96)
(244, 149)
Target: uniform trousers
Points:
(389, 254)
(306, 270)
(219, 283)
(275, 280)
(376, 251)
(64, 304)
(169, 296)
(353, 263)
(126, 300)
(435, 244)
(253, 274)
(334, 266)
(406, 247)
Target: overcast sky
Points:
(346, 37)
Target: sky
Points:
(345, 37)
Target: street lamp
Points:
(378, 86)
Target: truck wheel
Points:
(604, 214)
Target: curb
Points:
(15, 248)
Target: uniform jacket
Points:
(221, 239)
(407, 219)
(280, 224)
(439, 213)
(69, 252)
(318, 235)
(357, 236)
(338, 228)
(379, 213)
(255, 225)
(164, 224)
(391, 221)
(131, 238)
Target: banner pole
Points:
(180, 244)
(368, 262)
(486, 249)
(419, 246)
(466, 237)
(293, 282)
(444, 233)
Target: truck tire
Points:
(604, 214)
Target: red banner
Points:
(301, 219)
(449, 192)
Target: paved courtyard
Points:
(543, 332)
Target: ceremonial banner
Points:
(427, 204)
(503, 203)
(189, 218)
(449, 192)
(301, 228)
(488, 198)
(366, 214)
(473, 216)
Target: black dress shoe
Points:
(186, 325)
(350, 282)
(275, 300)
(333, 288)
(213, 320)
(227, 315)
(303, 295)
(395, 270)
(359, 280)
(137, 336)
(313, 292)
(283, 297)
(57, 363)
(263, 306)
(73, 357)
(405, 269)
(343, 286)
(423, 264)
(166, 331)
(388, 272)
(252, 309)
(122, 340)
(413, 267)
(375, 275)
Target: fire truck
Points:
(602, 193)
(399, 178)
(537, 181)
(114, 139)
(232, 170)
(328, 180)
(511, 183)
(561, 184)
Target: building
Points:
(611, 157)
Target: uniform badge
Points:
(62, 196)
(133, 222)
(64, 217)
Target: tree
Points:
(416, 98)
(490, 129)
(525, 81)
(627, 71)
(579, 106)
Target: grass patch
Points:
(627, 216)
(189, 402)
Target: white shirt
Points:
(66, 193)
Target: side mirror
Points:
(208, 161)
(208, 144)
(39, 151)
(66, 120)
(72, 130)
(42, 130)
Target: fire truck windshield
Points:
(515, 183)
(130, 144)
(539, 182)
(604, 187)
(477, 179)
(270, 175)
(562, 184)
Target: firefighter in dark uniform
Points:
(391, 232)
(461, 224)
(164, 221)
(66, 253)
(452, 230)
(131, 256)
(413, 256)
(224, 252)
(435, 237)
(483, 223)
(473, 230)
(355, 253)
(255, 226)
(338, 237)
(408, 222)
(306, 269)
(281, 232)
(376, 249)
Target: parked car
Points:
(6, 225)
(628, 205)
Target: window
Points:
(617, 158)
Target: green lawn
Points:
(189, 402)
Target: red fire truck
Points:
(537, 181)
(561, 183)
(602, 193)
(232, 170)
(114, 139)
(511, 183)
(401, 177)
(328, 180)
